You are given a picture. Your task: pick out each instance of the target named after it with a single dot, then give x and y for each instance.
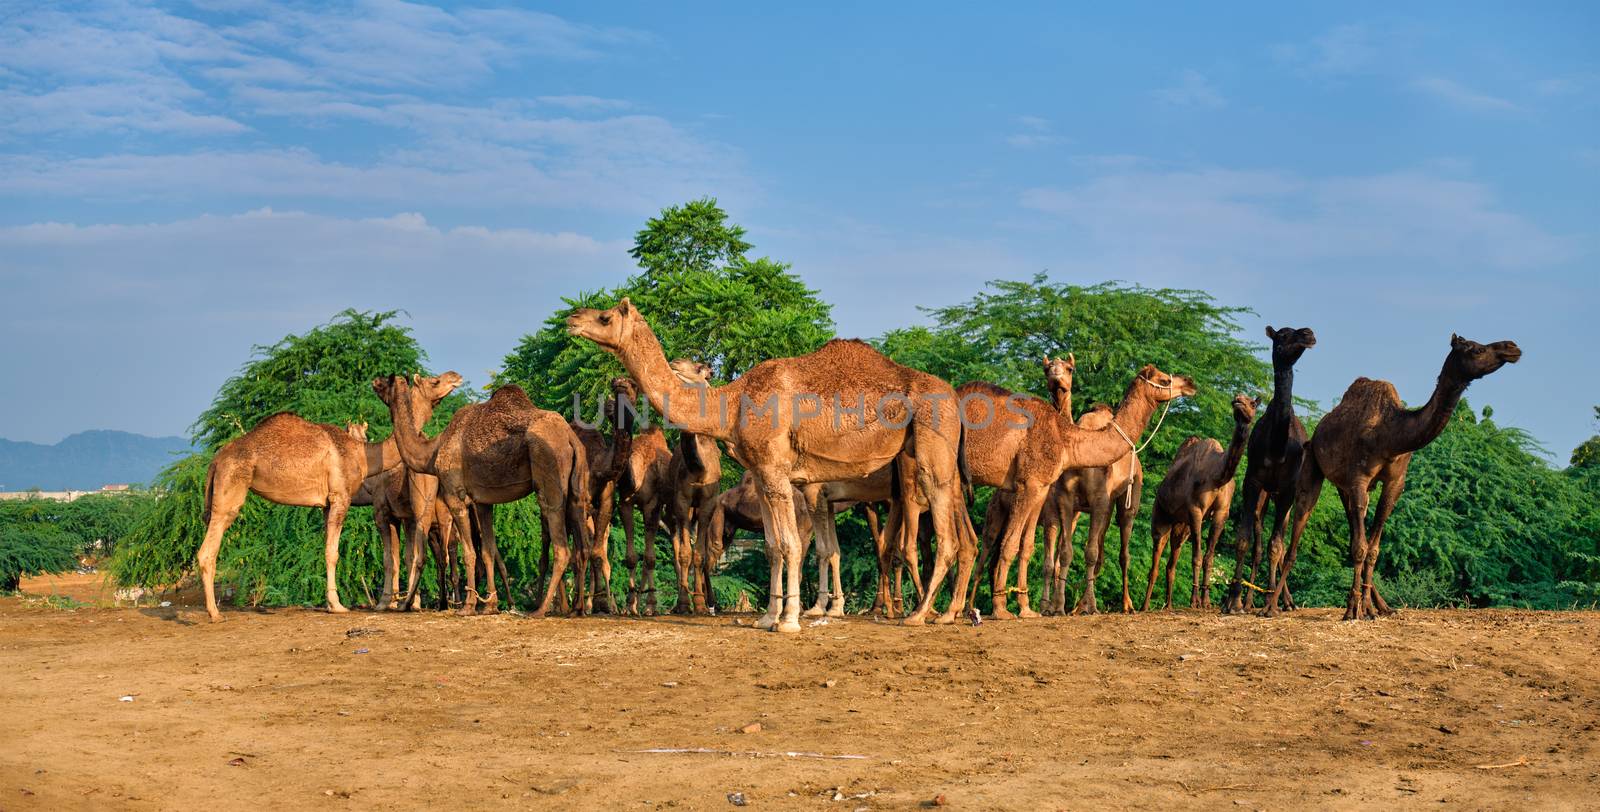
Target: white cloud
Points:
(1192, 90)
(1458, 95)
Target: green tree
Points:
(32, 541)
(693, 237)
(273, 553)
(1587, 454)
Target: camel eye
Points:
(605, 318)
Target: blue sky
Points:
(180, 182)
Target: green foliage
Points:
(32, 542)
(1001, 334)
(1587, 455)
(731, 316)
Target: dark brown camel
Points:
(737, 508)
(292, 461)
(1368, 439)
(607, 462)
(694, 477)
(643, 487)
(1198, 486)
(1272, 466)
(496, 452)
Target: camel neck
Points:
(1098, 448)
(1282, 387)
(1062, 396)
(1418, 427)
(380, 457)
(1241, 434)
(695, 409)
(415, 450)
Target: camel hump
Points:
(984, 388)
(1367, 390)
(510, 393)
(1096, 418)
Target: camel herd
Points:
(818, 434)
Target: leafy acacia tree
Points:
(273, 553)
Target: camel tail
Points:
(578, 502)
(211, 480)
(967, 491)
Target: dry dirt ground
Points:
(302, 709)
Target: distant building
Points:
(63, 496)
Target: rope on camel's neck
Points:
(1127, 499)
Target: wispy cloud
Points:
(1192, 90)
(1034, 131)
(1458, 95)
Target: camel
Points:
(1272, 465)
(1368, 439)
(496, 452)
(607, 462)
(1118, 488)
(643, 486)
(1199, 485)
(291, 461)
(737, 508)
(838, 413)
(1027, 445)
(396, 494)
(694, 478)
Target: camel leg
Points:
(1024, 558)
(648, 582)
(967, 555)
(1246, 537)
(708, 551)
(334, 523)
(488, 554)
(225, 504)
(551, 502)
(1386, 502)
(1159, 533)
(1029, 498)
(389, 538)
(1094, 554)
(1197, 551)
(630, 557)
(1064, 553)
(601, 589)
(769, 533)
(682, 563)
(777, 497)
(819, 542)
(1355, 513)
(1125, 517)
(1308, 488)
(943, 556)
(1219, 524)
(836, 592)
(461, 517)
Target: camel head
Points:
(623, 390)
(1469, 360)
(1058, 371)
(1167, 387)
(1244, 408)
(609, 328)
(357, 430)
(428, 390)
(693, 373)
(1288, 343)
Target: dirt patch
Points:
(292, 708)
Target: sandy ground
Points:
(302, 709)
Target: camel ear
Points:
(1072, 360)
(1258, 401)
(1270, 331)
(415, 378)
(624, 306)
(1456, 342)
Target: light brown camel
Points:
(1198, 486)
(838, 413)
(643, 486)
(496, 452)
(395, 495)
(694, 477)
(1272, 466)
(1028, 454)
(1116, 489)
(292, 461)
(607, 462)
(1368, 439)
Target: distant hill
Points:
(86, 460)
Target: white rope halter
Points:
(1127, 499)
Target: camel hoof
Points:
(815, 611)
(1001, 613)
(466, 611)
(788, 627)
(1027, 613)
(766, 622)
(216, 618)
(837, 611)
(336, 609)
(945, 619)
(912, 620)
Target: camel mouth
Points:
(1510, 353)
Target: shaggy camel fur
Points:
(1029, 455)
(1198, 486)
(496, 452)
(1272, 465)
(796, 421)
(607, 462)
(694, 477)
(292, 461)
(1368, 439)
